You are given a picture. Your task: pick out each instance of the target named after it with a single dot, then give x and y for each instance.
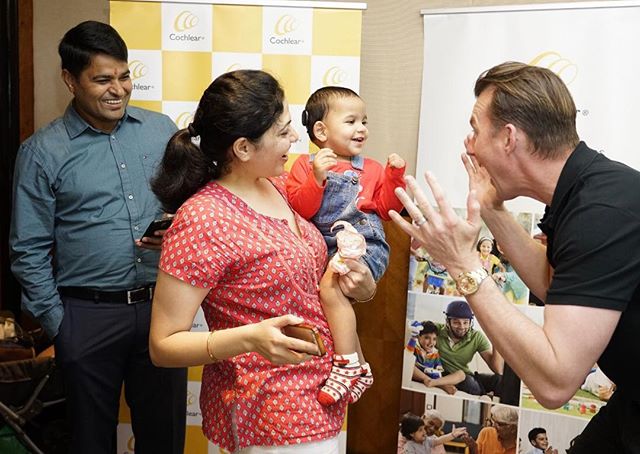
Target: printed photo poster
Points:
(471, 422)
(430, 365)
(177, 48)
(431, 296)
(438, 355)
(544, 430)
(428, 276)
(545, 35)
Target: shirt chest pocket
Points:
(150, 165)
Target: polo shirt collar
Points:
(579, 160)
(76, 125)
(466, 339)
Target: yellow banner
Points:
(175, 52)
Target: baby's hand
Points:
(395, 161)
(324, 160)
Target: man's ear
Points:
(320, 131)
(510, 138)
(69, 81)
(241, 149)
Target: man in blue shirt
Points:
(81, 201)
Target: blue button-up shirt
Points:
(81, 197)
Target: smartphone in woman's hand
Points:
(307, 333)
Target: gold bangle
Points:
(373, 295)
(209, 352)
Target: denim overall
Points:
(339, 203)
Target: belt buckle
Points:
(139, 295)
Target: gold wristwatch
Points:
(469, 282)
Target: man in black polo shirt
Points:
(524, 143)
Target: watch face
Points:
(467, 284)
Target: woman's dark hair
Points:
(428, 327)
(318, 105)
(410, 424)
(86, 40)
(244, 103)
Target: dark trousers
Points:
(509, 389)
(99, 347)
(614, 429)
(479, 384)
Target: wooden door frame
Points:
(16, 122)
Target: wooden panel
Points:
(373, 422)
(17, 98)
(25, 65)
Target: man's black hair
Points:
(87, 39)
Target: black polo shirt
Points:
(593, 244)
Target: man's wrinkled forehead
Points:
(482, 104)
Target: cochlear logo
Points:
(131, 443)
(184, 21)
(284, 26)
(191, 399)
(563, 67)
(138, 70)
(334, 76)
(183, 120)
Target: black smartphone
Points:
(307, 333)
(158, 224)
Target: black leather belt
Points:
(132, 296)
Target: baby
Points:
(339, 187)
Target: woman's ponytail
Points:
(183, 170)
